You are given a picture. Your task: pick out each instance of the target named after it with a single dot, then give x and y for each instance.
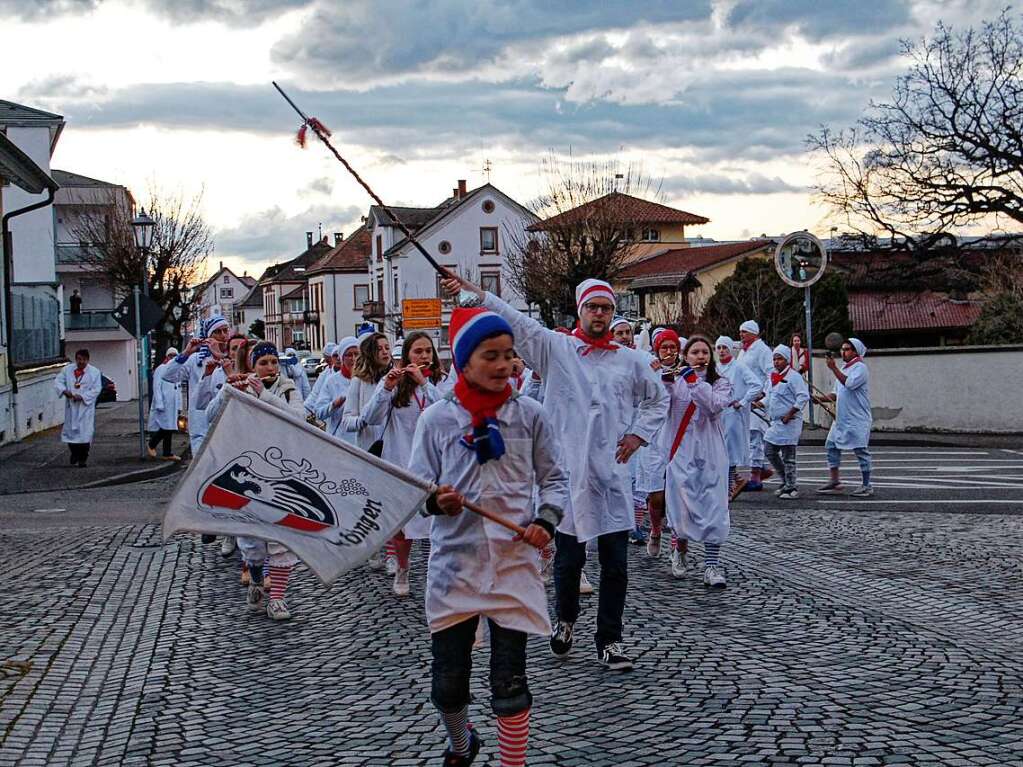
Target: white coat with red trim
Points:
(79, 415)
(594, 397)
(476, 567)
(696, 487)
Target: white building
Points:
(249, 310)
(30, 353)
(284, 296)
(469, 232)
(338, 290)
(220, 294)
(81, 205)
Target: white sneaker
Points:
(277, 609)
(789, 495)
(865, 491)
(714, 577)
(375, 562)
(678, 564)
(227, 546)
(401, 587)
(254, 599)
(392, 564)
(653, 546)
(779, 492)
(585, 587)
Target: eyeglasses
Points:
(598, 308)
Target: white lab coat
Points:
(79, 417)
(696, 488)
(352, 421)
(476, 567)
(163, 411)
(746, 385)
(851, 428)
(760, 359)
(593, 400)
(399, 426)
(322, 404)
(313, 400)
(782, 397)
(297, 374)
(191, 372)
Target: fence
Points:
(35, 328)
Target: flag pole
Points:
(493, 517)
(324, 135)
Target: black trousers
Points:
(613, 550)
(452, 667)
(161, 434)
(79, 451)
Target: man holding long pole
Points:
(605, 402)
(853, 419)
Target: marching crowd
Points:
(575, 435)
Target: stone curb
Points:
(126, 478)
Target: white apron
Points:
(745, 386)
(759, 359)
(782, 397)
(79, 417)
(476, 568)
(163, 412)
(851, 428)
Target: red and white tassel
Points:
(313, 123)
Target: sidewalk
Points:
(40, 463)
(817, 436)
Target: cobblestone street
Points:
(844, 638)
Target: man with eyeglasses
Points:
(853, 419)
(605, 402)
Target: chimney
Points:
(338, 237)
(308, 239)
(221, 266)
(461, 188)
(454, 192)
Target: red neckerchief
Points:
(747, 344)
(852, 362)
(480, 404)
(777, 378)
(605, 341)
(79, 372)
(518, 381)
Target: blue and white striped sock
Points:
(710, 554)
(457, 725)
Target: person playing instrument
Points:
(486, 443)
(853, 419)
(693, 441)
(756, 355)
(787, 395)
(605, 402)
(747, 386)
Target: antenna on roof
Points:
(487, 167)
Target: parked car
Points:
(310, 365)
(108, 392)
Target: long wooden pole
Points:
(317, 128)
(476, 509)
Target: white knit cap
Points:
(329, 350)
(591, 288)
(859, 346)
(781, 350)
(619, 321)
(172, 352)
(750, 326)
(724, 341)
(346, 343)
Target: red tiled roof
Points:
(351, 255)
(625, 208)
(692, 259)
(877, 312)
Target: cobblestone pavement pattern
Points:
(864, 638)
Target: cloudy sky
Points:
(713, 97)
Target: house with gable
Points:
(221, 293)
(339, 289)
(285, 296)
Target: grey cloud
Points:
(865, 55)
(715, 183)
(272, 236)
(34, 10)
(324, 185)
(819, 20)
(374, 38)
(244, 12)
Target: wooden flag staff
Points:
(324, 135)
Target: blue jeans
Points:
(835, 457)
(613, 550)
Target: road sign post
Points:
(420, 313)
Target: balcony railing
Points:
(76, 253)
(93, 320)
(373, 310)
(310, 316)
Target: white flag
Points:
(264, 473)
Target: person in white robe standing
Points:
(80, 384)
(853, 418)
(291, 366)
(693, 441)
(747, 386)
(787, 395)
(334, 384)
(756, 355)
(163, 410)
(605, 402)
(313, 400)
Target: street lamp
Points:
(143, 228)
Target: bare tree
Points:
(182, 244)
(584, 230)
(945, 152)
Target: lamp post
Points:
(142, 227)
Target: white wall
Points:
(39, 407)
(339, 316)
(955, 389)
(32, 233)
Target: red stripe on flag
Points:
(296, 522)
(225, 499)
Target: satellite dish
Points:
(800, 259)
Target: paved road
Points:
(868, 638)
